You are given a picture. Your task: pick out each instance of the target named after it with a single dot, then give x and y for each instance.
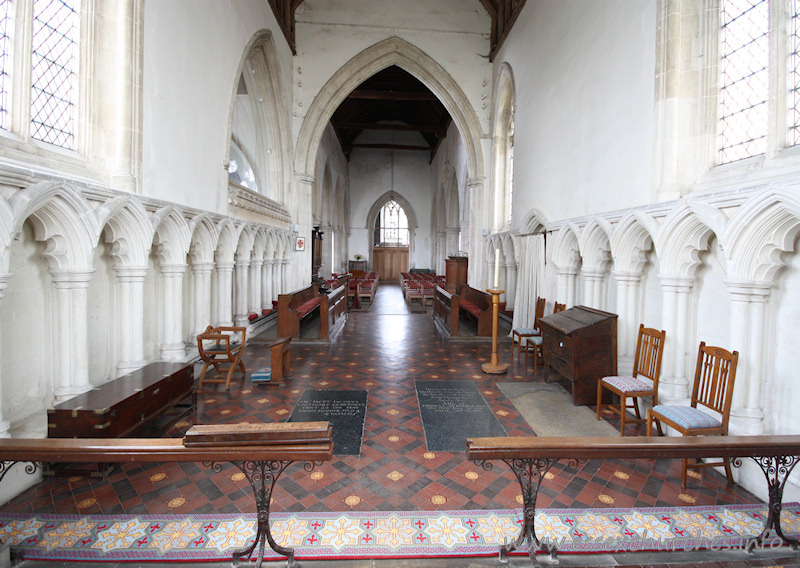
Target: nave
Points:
(383, 350)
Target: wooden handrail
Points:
(149, 450)
(631, 447)
(530, 458)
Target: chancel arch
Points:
(391, 51)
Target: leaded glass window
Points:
(54, 64)
(744, 79)
(391, 226)
(794, 73)
(240, 171)
(5, 60)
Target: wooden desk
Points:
(120, 406)
(580, 344)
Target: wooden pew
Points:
(333, 312)
(530, 458)
(261, 451)
(445, 311)
(295, 307)
(478, 305)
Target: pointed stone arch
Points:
(595, 245)
(63, 218)
(129, 230)
(629, 245)
(204, 239)
(680, 239)
(534, 223)
(759, 234)
(171, 236)
(391, 51)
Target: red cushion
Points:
(303, 309)
(469, 307)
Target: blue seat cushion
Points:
(526, 331)
(687, 416)
(629, 384)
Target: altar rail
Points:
(261, 462)
(531, 457)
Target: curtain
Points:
(530, 279)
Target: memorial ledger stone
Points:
(344, 409)
(453, 411)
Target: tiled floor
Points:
(383, 350)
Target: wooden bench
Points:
(333, 312)
(295, 307)
(261, 451)
(280, 359)
(445, 311)
(530, 458)
(477, 305)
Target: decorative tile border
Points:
(350, 535)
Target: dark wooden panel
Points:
(581, 345)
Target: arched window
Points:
(240, 171)
(503, 149)
(391, 226)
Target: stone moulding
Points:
(251, 201)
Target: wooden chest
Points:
(580, 344)
(118, 407)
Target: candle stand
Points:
(494, 367)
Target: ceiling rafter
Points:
(502, 12)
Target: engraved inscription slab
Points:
(344, 409)
(453, 411)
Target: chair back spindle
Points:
(714, 378)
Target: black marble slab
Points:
(453, 411)
(344, 409)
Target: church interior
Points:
(354, 174)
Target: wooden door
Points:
(389, 262)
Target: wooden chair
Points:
(219, 348)
(713, 389)
(534, 344)
(517, 335)
(643, 382)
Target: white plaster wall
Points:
(102, 318)
(192, 50)
(782, 394)
(713, 305)
(27, 350)
(452, 157)
(331, 32)
(584, 76)
(651, 300)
